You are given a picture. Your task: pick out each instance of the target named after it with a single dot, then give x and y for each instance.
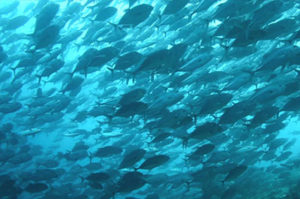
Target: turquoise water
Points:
(149, 99)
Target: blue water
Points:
(149, 99)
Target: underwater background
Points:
(140, 99)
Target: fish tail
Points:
(82, 179)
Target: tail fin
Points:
(297, 71)
(14, 70)
(90, 157)
(116, 26)
(78, 46)
(185, 142)
(111, 70)
(82, 179)
(226, 48)
(223, 182)
(39, 78)
(70, 73)
(250, 72)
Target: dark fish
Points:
(280, 57)
(229, 193)
(36, 187)
(154, 162)
(237, 112)
(47, 37)
(80, 146)
(206, 130)
(214, 102)
(131, 181)
(204, 5)
(131, 109)
(128, 60)
(154, 61)
(48, 163)
(105, 13)
(160, 137)
(5, 98)
(3, 55)
(108, 151)
(281, 28)
(16, 22)
(202, 150)
(266, 13)
(131, 158)
(96, 185)
(93, 58)
(174, 6)
(235, 173)
(293, 104)
(45, 17)
(98, 177)
(132, 96)
(74, 83)
(152, 196)
(45, 174)
(20, 158)
(262, 116)
(136, 15)
(53, 67)
(284, 156)
(81, 116)
(10, 107)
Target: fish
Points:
(10, 107)
(127, 60)
(136, 15)
(131, 181)
(46, 37)
(31, 132)
(45, 17)
(132, 158)
(149, 99)
(16, 22)
(174, 6)
(154, 162)
(98, 177)
(132, 96)
(105, 13)
(131, 109)
(206, 130)
(234, 173)
(36, 187)
(108, 151)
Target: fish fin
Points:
(297, 71)
(226, 48)
(90, 157)
(194, 118)
(250, 72)
(111, 70)
(39, 78)
(116, 26)
(78, 46)
(30, 35)
(223, 182)
(185, 142)
(82, 179)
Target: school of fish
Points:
(140, 99)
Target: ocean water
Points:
(164, 99)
